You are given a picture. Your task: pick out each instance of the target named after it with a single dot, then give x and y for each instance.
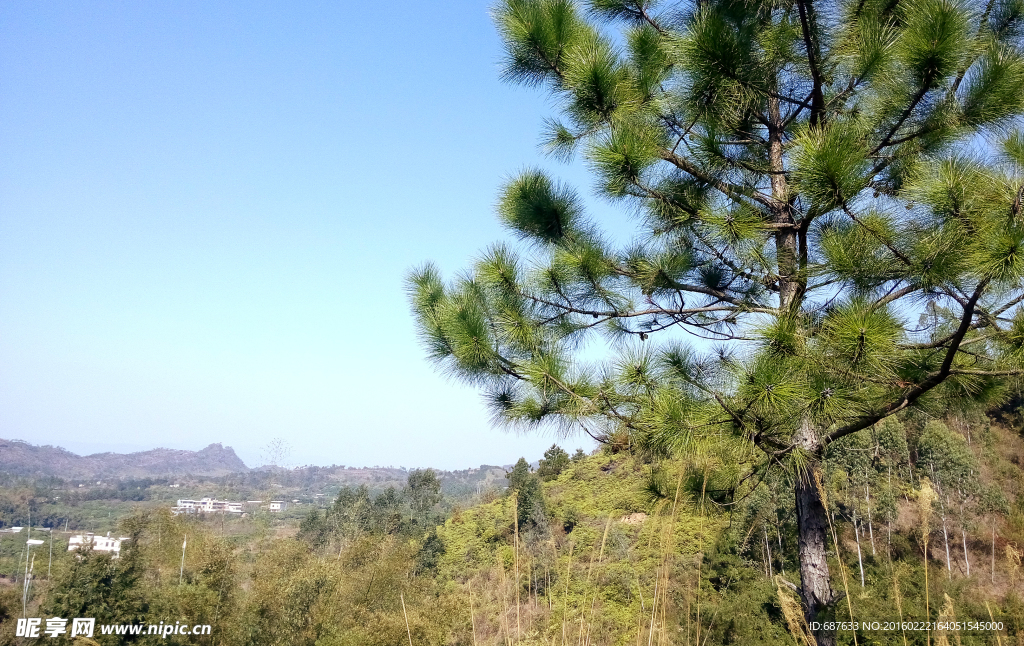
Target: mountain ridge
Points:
(21, 458)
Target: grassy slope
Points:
(598, 579)
(608, 596)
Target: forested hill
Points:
(24, 459)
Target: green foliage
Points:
(540, 34)
(945, 457)
(424, 491)
(9, 611)
(430, 553)
(824, 215)
(614, 528)
(93, 584)
(540, 210)
(832, 167)
(525, 489)
(936, 40)
(555, 461)
(411, 512)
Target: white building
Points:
(206, 506)
(96, 543)
(278, 505)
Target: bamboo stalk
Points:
(565, 595)
(993, 551)
(860, 560)
(515, 509)
(700, 511)
(999, 640)
(899, 600)
(472, 617)
(871, 529)
(925, 500)
(666, 548)
(504, 601)
(967, 560)
(654, 607)
(407, 629)
(600, 556)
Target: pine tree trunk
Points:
(812, 528)
(812, 533)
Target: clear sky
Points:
(207, 210)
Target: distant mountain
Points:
(24, 459)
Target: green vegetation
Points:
(620, 547)
(554, 462)
(829, 234)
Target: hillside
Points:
(24, 459)
(621, 549)
(612, 549)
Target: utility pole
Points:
(24, 591)
(17, 568)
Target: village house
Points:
(96, 543)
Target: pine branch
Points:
(899, 123)
(933, 380)
(817, 97)
(730, 190)
(888, 244)
(989, 373)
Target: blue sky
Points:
(207, 210)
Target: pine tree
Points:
(555, 461)
(829, 200)
(524, 484)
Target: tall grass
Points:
(925, 496)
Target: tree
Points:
(94, 584)
(315, 528)
(524, 484)
(944, 456)
(851, 458)
(553, 463)
(424, 492)
(830, 202)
